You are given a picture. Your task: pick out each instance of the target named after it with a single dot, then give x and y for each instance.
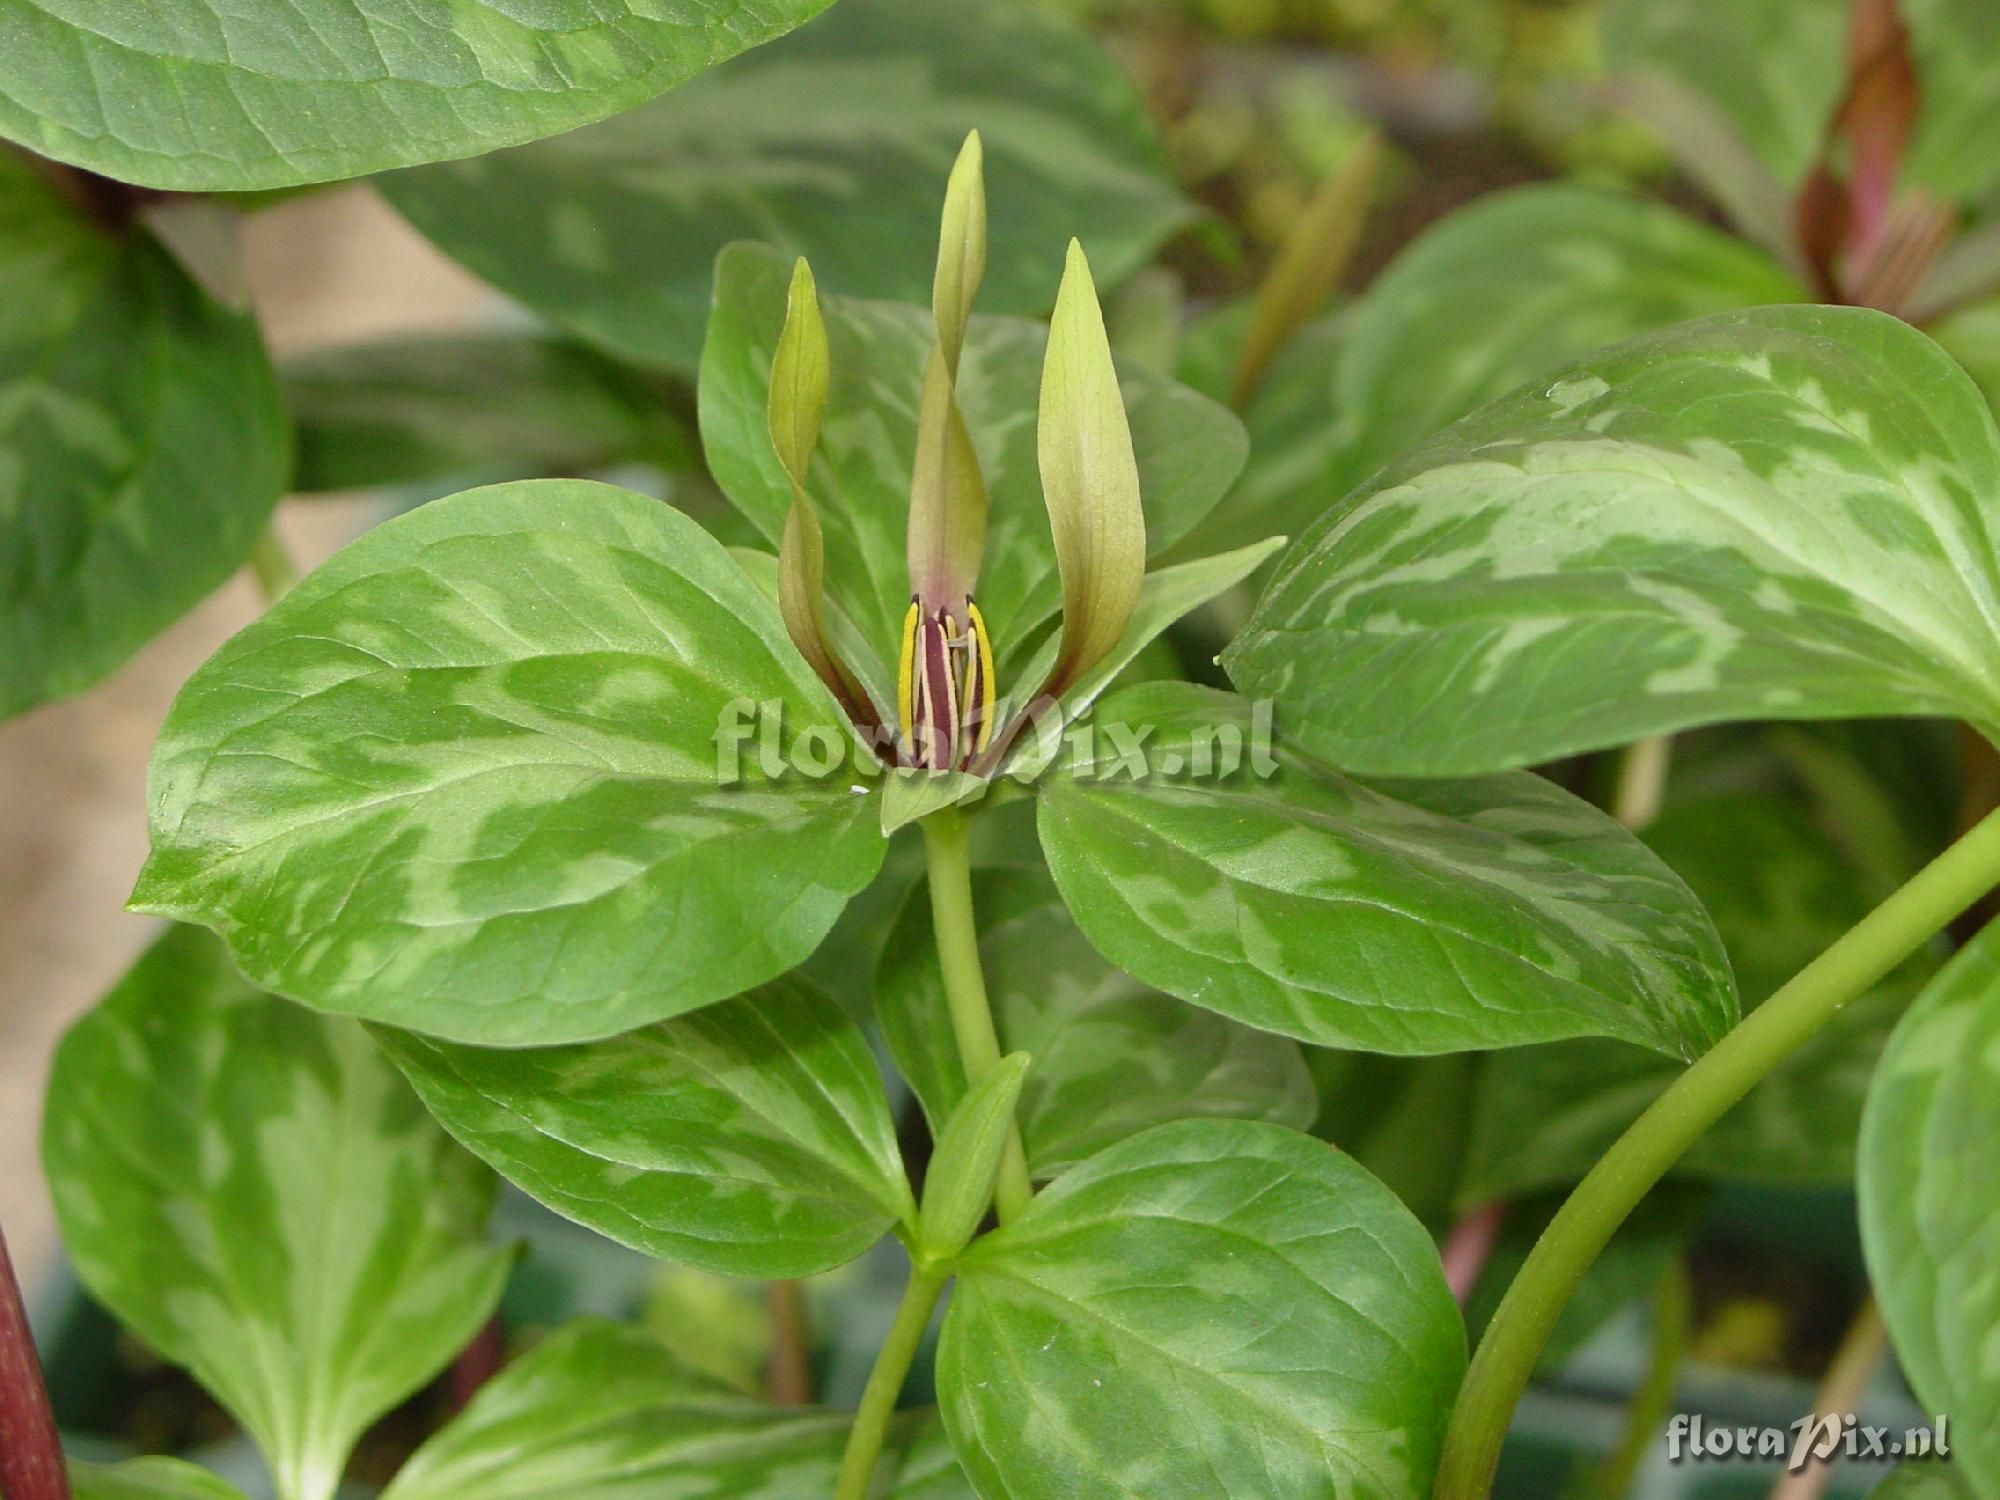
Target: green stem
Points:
(950, 865)
(885, 1384)
(272, 566)
(1673, 1313)
(1642, 781)
(1696, 1100)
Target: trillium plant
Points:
(1257, 1001)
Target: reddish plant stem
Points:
(31, 1461)
(790, 1375)
(477, 1363)
(1469, 1244)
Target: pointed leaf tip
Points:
(961, 262)
(800, 370)
(1090, 479)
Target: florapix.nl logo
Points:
(755, 741)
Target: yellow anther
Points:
(906, 673)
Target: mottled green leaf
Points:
(142, 443)
(1210, 1309)
(1783, 887)
(602, 1412)
(1409, 917)
(473, 776)
(1545, 274)
(148, 1479)
(1782, 513)
(1188, 448)
(1929, 1180)
(201, 96)
(253, 1189)
(422, 408)
(1774, 67)
(1111, 1057)
(750, 1138)
(1956, 44)
(833, 144)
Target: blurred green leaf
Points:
(833, 144)
(1776, 68)
(205, 96)
(148, 1479)
(1955, 43)
(142, 442)
(426, 408)
(253, 1189)
(1545, 275)
(1295, 436)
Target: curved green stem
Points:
(885, 1384)
(1697, 1099)
(950, 866)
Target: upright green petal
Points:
(1090, 480)
(947, 533)
(800, 370)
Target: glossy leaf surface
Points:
(474, 776)
(142, 443)
(1410, 917)
(1782, 513)
(833, 144)
(254, 1190)
(205, 96)
(1210, 1309)
(750, 1138)
(1930, 1175)
(598, 1411)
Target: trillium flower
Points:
(949, 715)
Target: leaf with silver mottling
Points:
(749, 1138)
(1785, 513)
(1409, 917)
(473, 776)
(1247, 1290)
(142, 441)
(253, 1189)
(1929, 1179)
